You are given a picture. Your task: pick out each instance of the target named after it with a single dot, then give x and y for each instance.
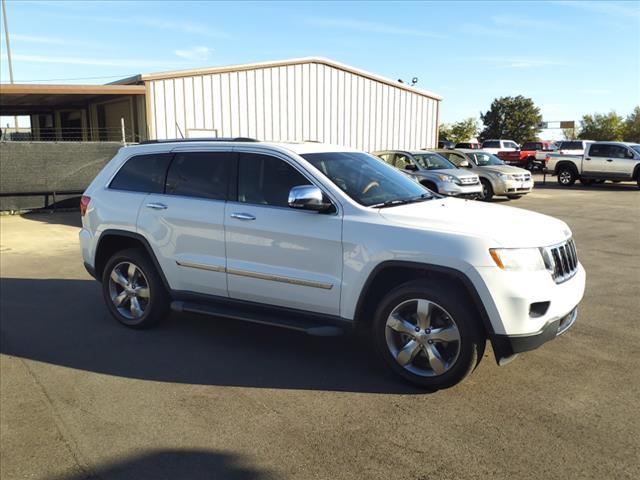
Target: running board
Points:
(283, 319)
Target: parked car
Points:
(434, 172)
(495, 146)
(470, 145)
(527, 156)
(497, 178)
(324, 239)
(616, 161)
(446, 144)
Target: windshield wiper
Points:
(402, 201)
(390, 203)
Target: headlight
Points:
(447, 178)
(523, 259)
(503, 176)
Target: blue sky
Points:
(572, 58)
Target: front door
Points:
(185, 224)
(275, 254)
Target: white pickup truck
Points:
(616, 161)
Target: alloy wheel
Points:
(422, 337)
(129, 290)
(565, 177)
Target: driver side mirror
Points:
(309, 197)
(411, 166)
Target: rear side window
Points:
(602, 150)
(201, 174)
(266, 180)
(143, 173)
(491, 144)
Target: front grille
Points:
(522, 177)
(562, 261)
(469, 180)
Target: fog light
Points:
(538, 309)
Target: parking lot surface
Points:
(203, 398)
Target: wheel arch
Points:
(636, 172)
(394, 272)
(566, 163)
(112, 241)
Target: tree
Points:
(444, 132)
(515, 118)
(570, 133)
(461, 131)
(464, 130)
(632, 126)
(601, 126)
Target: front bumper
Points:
(464, 191)
(513, 187)
(526, 309)
(505, 346)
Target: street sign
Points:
(568, 124)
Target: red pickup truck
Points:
(526, 156)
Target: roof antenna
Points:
(180, 131)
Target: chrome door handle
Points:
(157, 206)
(243, 216)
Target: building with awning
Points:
(76, 112)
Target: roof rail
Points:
(212, 139)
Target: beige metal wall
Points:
(309, 101)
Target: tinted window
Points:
(143, 173)
(532, 146)
(491, 144)
(364, 178)
(266, 180)
(571, 146)
(601, 150)
(203, 174)
(510, 145)
(618, 151)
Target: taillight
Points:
(84, 204)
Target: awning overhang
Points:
(25, 99)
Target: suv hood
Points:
(507, 227)
(506, 169)
(454, 172)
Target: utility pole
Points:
(6, 37)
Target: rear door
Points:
(185, 223)
(276, 254)
(598, 159)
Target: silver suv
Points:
(434, 172)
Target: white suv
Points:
(324, 239)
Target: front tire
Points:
(427, 336)
(567, 176)
(133, 290)
(487, 190)
(531, 164)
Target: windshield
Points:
(432, 161)
(367, 179)
(483, 159)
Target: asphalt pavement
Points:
(203, 398)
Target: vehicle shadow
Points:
(69, 325)
(551, 184)
(70, 218)
(173, 464)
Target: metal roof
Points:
(273, 64)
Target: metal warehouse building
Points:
(75, 129)
(305, 99)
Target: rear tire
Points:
(531, 164)
(487, 190)
(427, 336)
(133, 290)
(567, 176)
